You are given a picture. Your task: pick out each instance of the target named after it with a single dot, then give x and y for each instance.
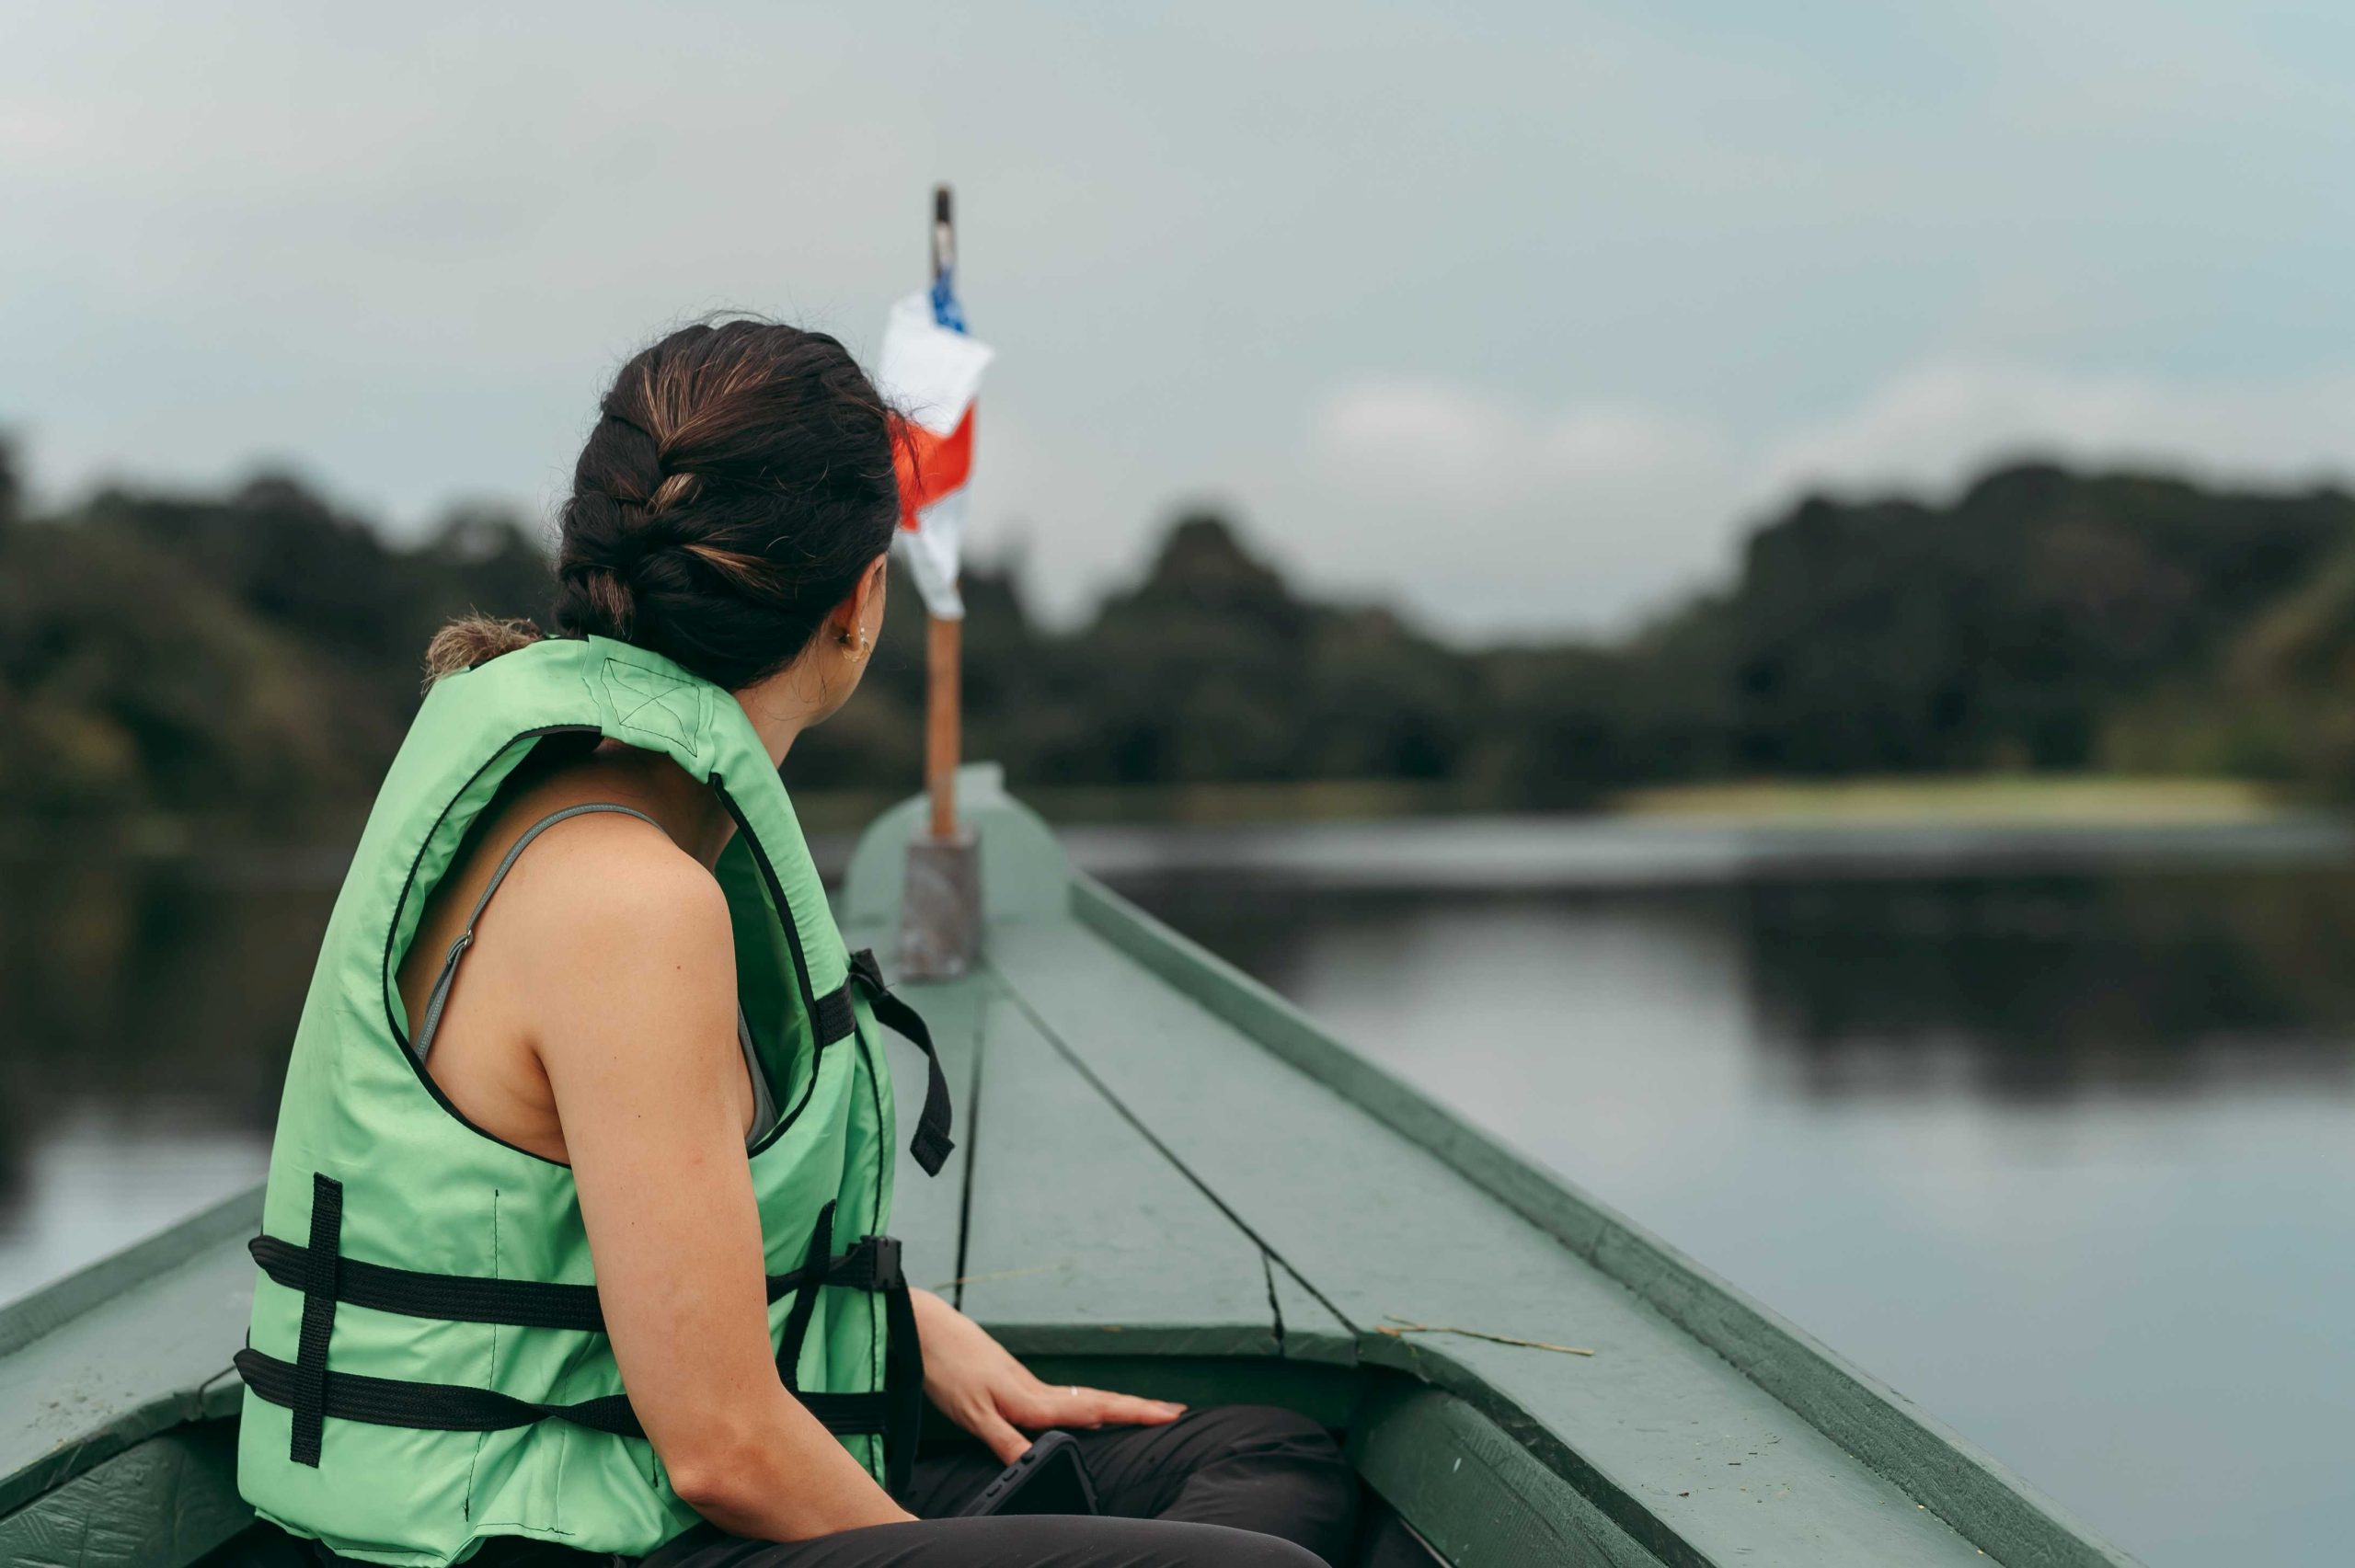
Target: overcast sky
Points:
(1516, 320)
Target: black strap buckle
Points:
(867, 972)
(883, 1270)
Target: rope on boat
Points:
(1407, 1327)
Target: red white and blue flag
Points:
(929, 371)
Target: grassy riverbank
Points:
(2010, 799)
(2005, 800)
(1969, 800)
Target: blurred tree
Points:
(2296, 667)
(127, 686)
(2281, 703)
(11, 483)
(255, 654)
(1889, 637)
(1192, 676)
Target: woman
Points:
(588, 1096)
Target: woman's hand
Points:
(983, 1389)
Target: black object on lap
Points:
(1049, 1478)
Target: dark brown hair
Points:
(738, 482)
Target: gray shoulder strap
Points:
(424, 1042)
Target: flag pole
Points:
(943, 645)
(940, 904)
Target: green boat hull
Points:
(1173, 1182)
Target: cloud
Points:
(249, 233)
(1504, 517)
(1932, 426)
(1400, 439)
(1592, 514)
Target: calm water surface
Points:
(2067, 1158)
(2057, 1143)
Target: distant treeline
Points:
(251, 657)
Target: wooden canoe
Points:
(1171, 1181)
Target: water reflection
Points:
(2065, 1158)
(149, 1006)
(166, 994)
(2062, 1152)
(2052, 988)
(2031, 988)
(162, 997)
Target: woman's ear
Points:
(859, 618)
(872, 584)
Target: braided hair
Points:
(738, 481)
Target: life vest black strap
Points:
(835, 1018)
(903, 1390)
(797, 1320)
(902, 1395)
(932, 1144)
(452, 1407)
(872, 1264)
(306, 1386)
(307, 1394)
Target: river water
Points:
(2049, 1131)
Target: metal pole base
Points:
(940, 915)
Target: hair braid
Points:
(738, 481)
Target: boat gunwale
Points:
(49, 1308)
(28, 1320)
(1971, 1490)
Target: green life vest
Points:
(428, 1366)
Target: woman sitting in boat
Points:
(574, 1242)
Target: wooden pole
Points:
(940, 906)
(943, 740)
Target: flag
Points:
(928, 372)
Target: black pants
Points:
(1231, 1486)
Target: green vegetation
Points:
(246, 661)
(1985, 799)
(2045, 622)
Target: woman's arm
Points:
(633, 971)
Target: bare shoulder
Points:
(608, 894)
(621, 979)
